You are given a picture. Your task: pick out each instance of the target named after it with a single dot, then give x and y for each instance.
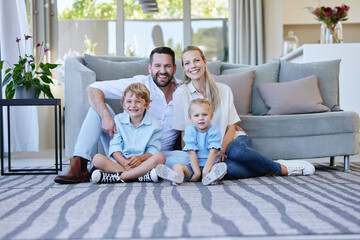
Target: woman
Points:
(241, 159)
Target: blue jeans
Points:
(90, 134)
(244, 162)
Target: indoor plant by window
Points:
(331, 29)
(28, 73)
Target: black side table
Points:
(58, 148)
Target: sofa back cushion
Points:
(109, 68)
(241, 85)
(299, 96)
(327, 73)
(265, 73)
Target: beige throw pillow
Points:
(241, 86)
(299, 96)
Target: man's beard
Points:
(155, 77)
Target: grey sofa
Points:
(286, 136)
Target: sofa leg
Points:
(332, 162)
(347, 163)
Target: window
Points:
(92, 27)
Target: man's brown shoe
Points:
(75, 175)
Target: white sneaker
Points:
(298, 167)
(150, 176)
(217, 172)
(167, 173)
(99, 176)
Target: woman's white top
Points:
(225, 114)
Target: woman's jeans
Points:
(244, 162)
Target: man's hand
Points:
(108, 126)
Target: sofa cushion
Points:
(299, 96)
(292, 125)
(241, 84)
(108, 70)
(213, 66)
(265, 73)
(327, 73)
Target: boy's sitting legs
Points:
(109, 166)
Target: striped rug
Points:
(34, 207)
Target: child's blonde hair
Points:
(139, 89)
(199, 101)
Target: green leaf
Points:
(36, 82)
(27, 85)
(1, 65)
(7, 70)
(46, 70)
(6, 79)
(46, 79)
(9, 91)
(52, 66)
(46, 90)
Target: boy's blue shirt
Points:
(130, 141)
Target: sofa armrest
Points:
(77, 78)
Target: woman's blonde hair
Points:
(212, 91)
(139, 89)
(199, 101)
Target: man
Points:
(99, 122)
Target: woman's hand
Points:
(222, 156)
(238, 128)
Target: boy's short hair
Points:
(199, 101)
(139, 89)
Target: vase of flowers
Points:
(28, 73)
(331, 28)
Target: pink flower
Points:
(27, 37)
(345, 8)
(327, 12)
(316, 12)
(18, 39)
(31, 61)
(338, 11)
(38, 45)
(46, 49)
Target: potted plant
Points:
(29, 73)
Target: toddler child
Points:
(202, 142)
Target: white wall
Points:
(296, 17)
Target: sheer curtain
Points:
(246, 32)
(24, 120)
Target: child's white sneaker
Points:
(99, 176)
(150, 176)
(167, 173)
(217, 172)
(298, 167)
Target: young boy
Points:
(202, 142)
(134, 149)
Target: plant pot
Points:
(21, 92)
